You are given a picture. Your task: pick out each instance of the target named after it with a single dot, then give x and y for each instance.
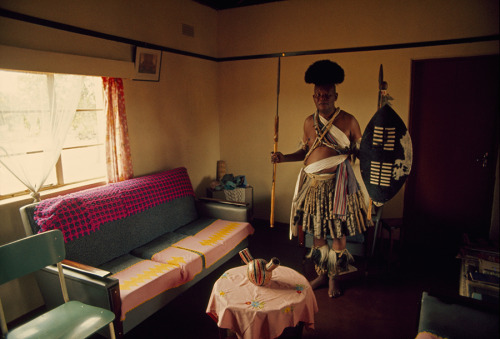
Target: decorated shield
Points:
(385, 155)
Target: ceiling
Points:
(227, 4)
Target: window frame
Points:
(60, 185)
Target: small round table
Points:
(261, 312)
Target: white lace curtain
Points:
(46, 105)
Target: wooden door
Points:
(454, 128)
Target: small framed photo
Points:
(147, 64)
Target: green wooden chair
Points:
(72, 319)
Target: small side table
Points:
(260, 312)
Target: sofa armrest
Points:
(227, 202)
(223, 209)
(86, 269)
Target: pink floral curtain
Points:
(118, 158)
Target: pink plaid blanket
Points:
(81, 213)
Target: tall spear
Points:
(276, 129)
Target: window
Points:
(83, 154)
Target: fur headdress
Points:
(324, 72)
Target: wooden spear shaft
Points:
(276, 130)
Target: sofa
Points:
(454, 316)
(133, 246)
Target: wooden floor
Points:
(378, 301)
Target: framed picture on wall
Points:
(147, 64)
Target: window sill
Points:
(50, 193)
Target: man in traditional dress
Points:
(328, 202)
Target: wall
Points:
(298, 26)
(301, 25)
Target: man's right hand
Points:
(277, 157)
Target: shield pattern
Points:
(385, 155)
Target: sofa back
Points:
(104, 223)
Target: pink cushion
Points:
(190, 263)
(145, 280)
(217, 239)
(179, 263)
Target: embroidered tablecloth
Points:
(260, 312)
